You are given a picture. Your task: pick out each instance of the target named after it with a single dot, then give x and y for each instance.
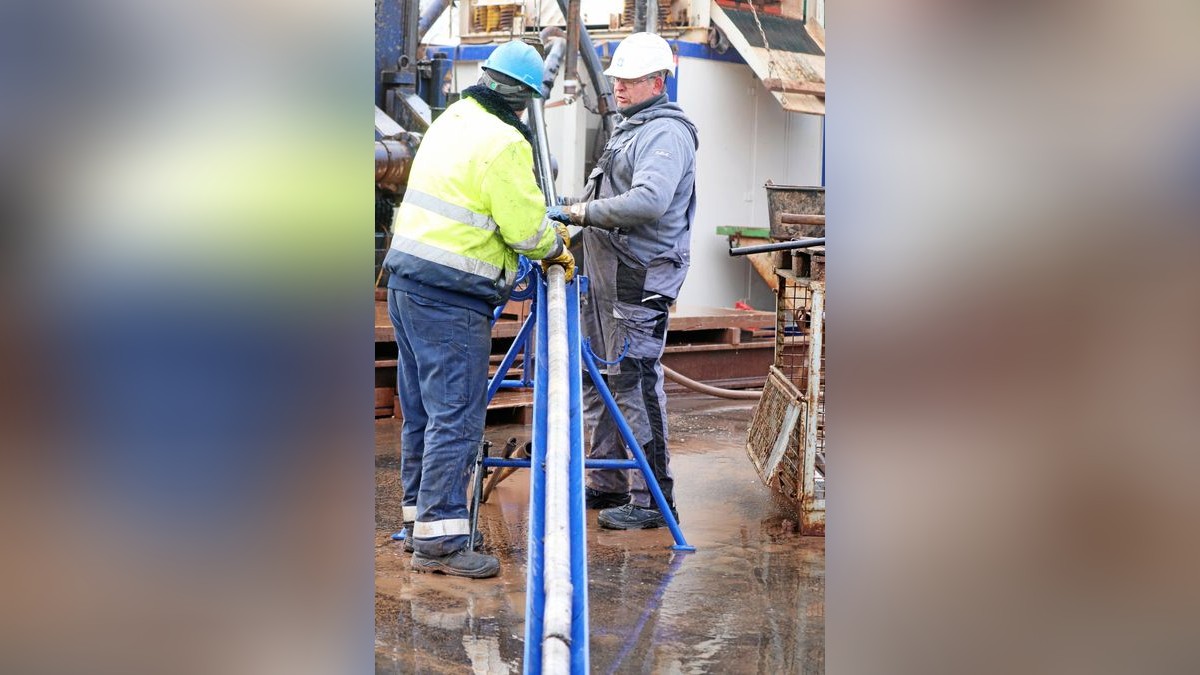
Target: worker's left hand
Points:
(565, 259)
(574, 214)
(559, 215)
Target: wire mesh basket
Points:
(787, 434)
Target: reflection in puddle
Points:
(749, 600)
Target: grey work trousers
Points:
(620, 317)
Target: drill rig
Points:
(409, 94)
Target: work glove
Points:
(565, 259)
(557, 214)
(574, 214)
(563, 234)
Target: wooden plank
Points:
(511, 398)
(691, 349)
(776, 84)
(702, 318)
(683, 318)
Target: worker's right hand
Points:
(565, 259)
(564, 234)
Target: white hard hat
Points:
(641, 54)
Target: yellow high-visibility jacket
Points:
(470, 207)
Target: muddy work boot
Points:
(595, 499)
(630, 517)
(462, 563)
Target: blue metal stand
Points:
(639, 456)
(580, 360)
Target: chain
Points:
(771, 65)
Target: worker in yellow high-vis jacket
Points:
(471, 207)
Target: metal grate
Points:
(793, 326)
(793, 344)
(787, 435)
(776, 432)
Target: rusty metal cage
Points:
(787, 434)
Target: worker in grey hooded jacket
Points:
(637, 213)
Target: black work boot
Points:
(595, 499)
(630, 517)
(461, 563)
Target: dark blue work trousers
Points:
(441, 380)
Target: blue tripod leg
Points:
(639, 456)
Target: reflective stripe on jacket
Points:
(471, 206)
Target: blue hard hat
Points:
(520, 62)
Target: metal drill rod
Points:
(477, 485)
(537, 122)
(574, 27)
(605, 100)
(556, 51)
(393, 158)
(429, 16)
(556, 626)
(780, 246)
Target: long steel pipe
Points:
(604, 94)
(537, 122)
(556, 625)
(393, 158)
(556, 49)
(778, 246)
(574, 28)
(429, 16)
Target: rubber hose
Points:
(747, 394)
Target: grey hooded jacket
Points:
(642, 196)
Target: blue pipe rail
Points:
(580, 361)
(535, 596)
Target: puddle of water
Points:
(749, 600)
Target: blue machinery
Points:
(556, 609)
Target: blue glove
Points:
(557, 214)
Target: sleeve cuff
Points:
(578, 213)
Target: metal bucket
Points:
(783, 199)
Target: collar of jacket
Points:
(636, 108)
(494, 103)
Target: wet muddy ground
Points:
(749, 600)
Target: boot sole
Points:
(431, 567)
(650, 525)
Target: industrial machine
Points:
(409, 94)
